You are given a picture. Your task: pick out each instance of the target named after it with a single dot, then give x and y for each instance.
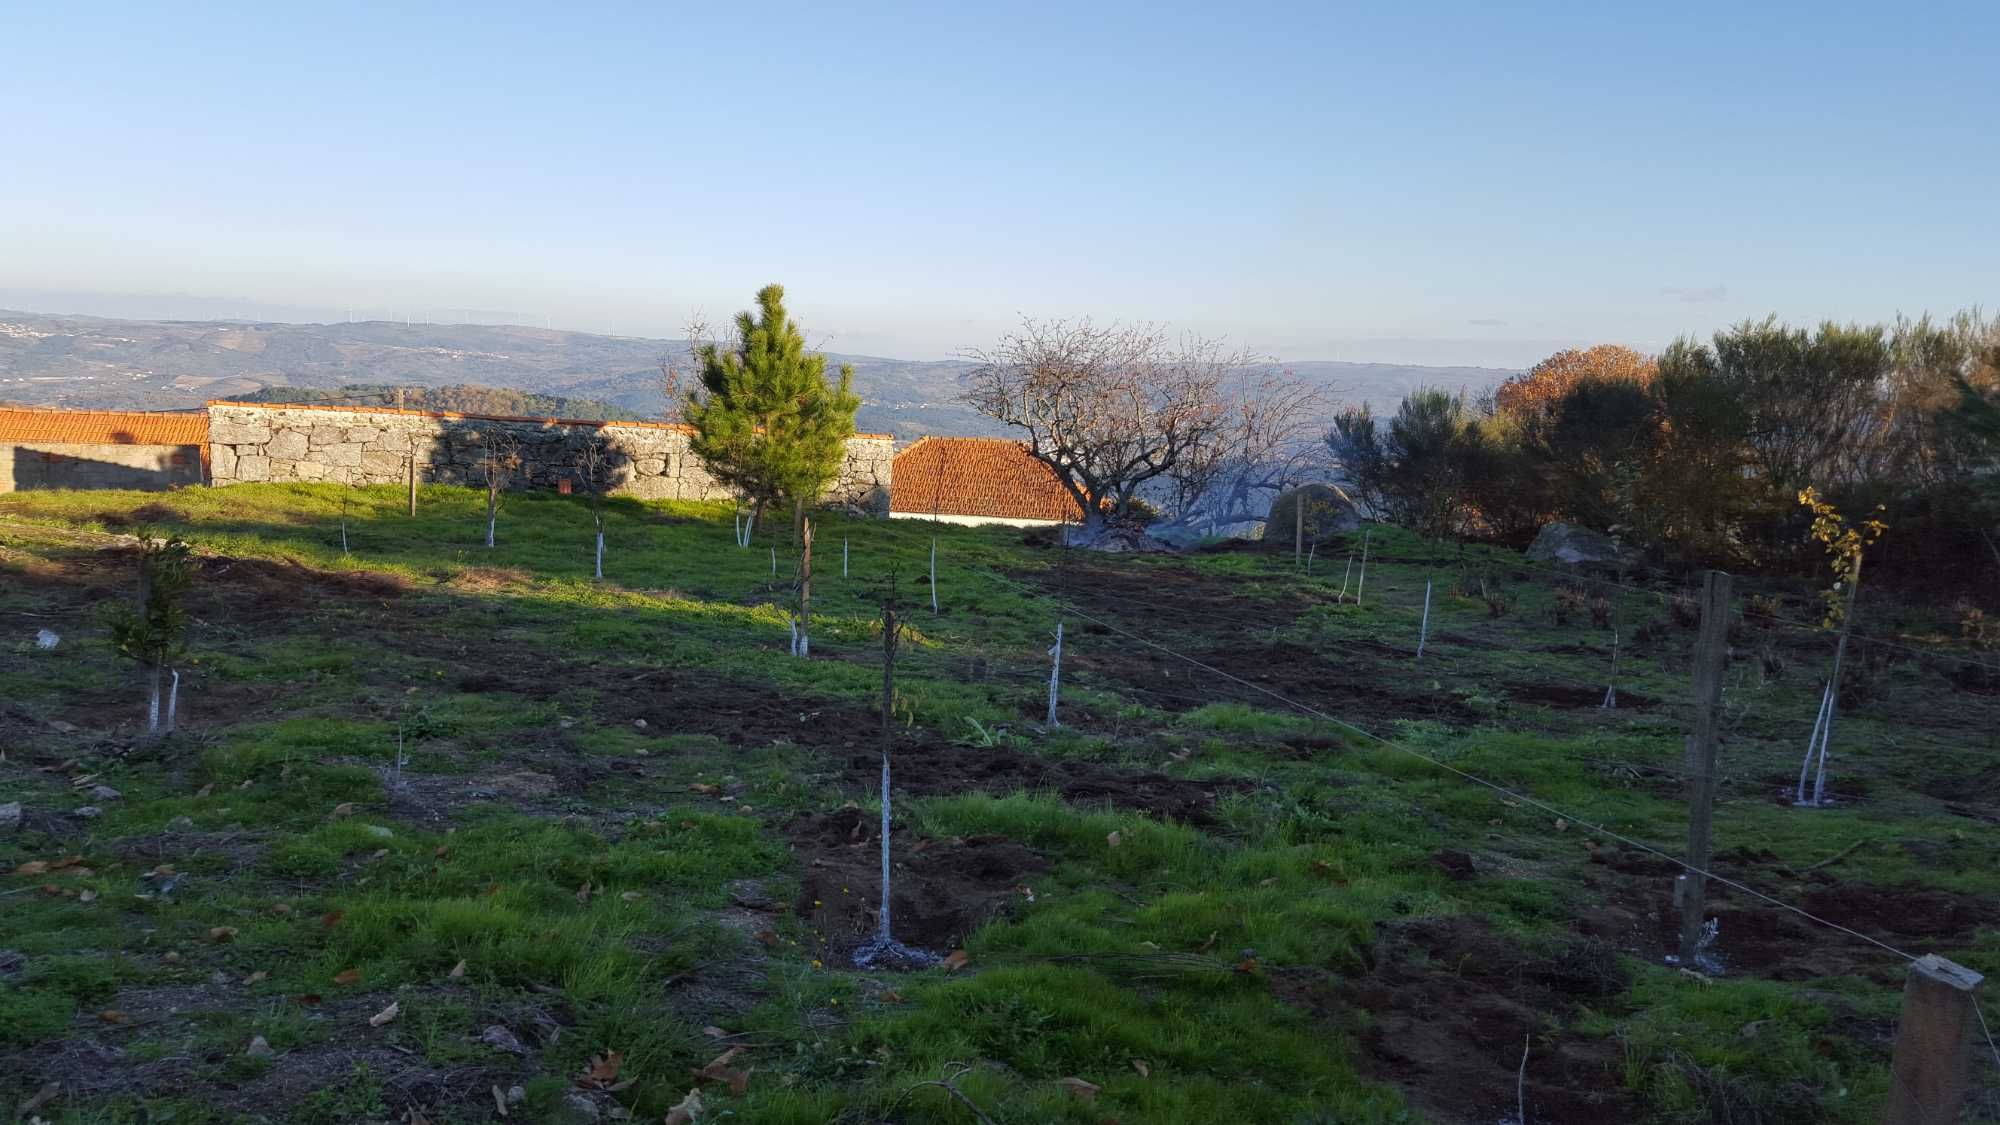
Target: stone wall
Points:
(360, 445)
(26, 466)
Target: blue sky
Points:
(1475, 183)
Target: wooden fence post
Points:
(1710, 654)
(1932, 1063)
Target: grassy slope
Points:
(1223, 957)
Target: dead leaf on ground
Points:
(457, 970)
(631, 896)
(66, 862)
(205, 790)
(601, 1071)
(768, 937)
(331, 918)
(33, 867)
(1078, 1088)
(222, 933)
(1204, 947)
(704, 788)
(113, 1015)
(345, 808)
(891, 996)
(500, 1101)
(1144, 1070)
(257, 977)
(86, 896)
(583, 893)
(955, 961)
(1247, 965)
(686, 1110)
(347, 976)
(1113, 839)
(386, 1015)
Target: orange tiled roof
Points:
(962, 476)
(103, 427)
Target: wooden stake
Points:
(1298, 527)
(1710, 655)
(413, 478)
(1424, 630)
(1932, 1064)
(1361, 582)
(1055, 675)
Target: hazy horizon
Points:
(1419, 184)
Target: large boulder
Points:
(1328, 512)
(1566, 544)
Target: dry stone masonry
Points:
(649, 460)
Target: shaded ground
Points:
(1450, 1006)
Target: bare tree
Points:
(594, 472)
(1267, 441)
(1108, 410)
(498, 458)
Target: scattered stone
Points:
(516, 1095)
(639, 723)
(105, 793)
(750, 894)
(1458, 865)
(579, 1108)
(259, 1049)
(1581, 547)
(380, 832)
(10, 816)
(88, 812)
(60, 727)
(46, 639)
(527, 783)
(181, 824)
(501, 1039)
(219, 977)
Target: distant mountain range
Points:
(83, 361)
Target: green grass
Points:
(537, 835)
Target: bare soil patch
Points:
(940, 889)
(1450, 1005)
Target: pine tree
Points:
(153, 630)
(766, 421)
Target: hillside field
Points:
(451, 834)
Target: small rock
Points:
(219, 977)
(60, 727)
(750, 894)
(181, 824)
(565, 724)
(1457, 865)
(500, 1039)
(105, 793)
(10, 816)
(46, 639)
(88, 812)
(579, 1108)
(516, 1095)
(380, 832)
(259, 1049)
(639, 723)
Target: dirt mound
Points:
(941, 890)
(286, 577)
(1577, 695)
(1450, 1004)
(1910, 911)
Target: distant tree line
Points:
(457, 398)
(1699, 455)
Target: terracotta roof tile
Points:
(103, 427)
(961, 476)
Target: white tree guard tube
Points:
(1424, 630)
(1055, 675)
